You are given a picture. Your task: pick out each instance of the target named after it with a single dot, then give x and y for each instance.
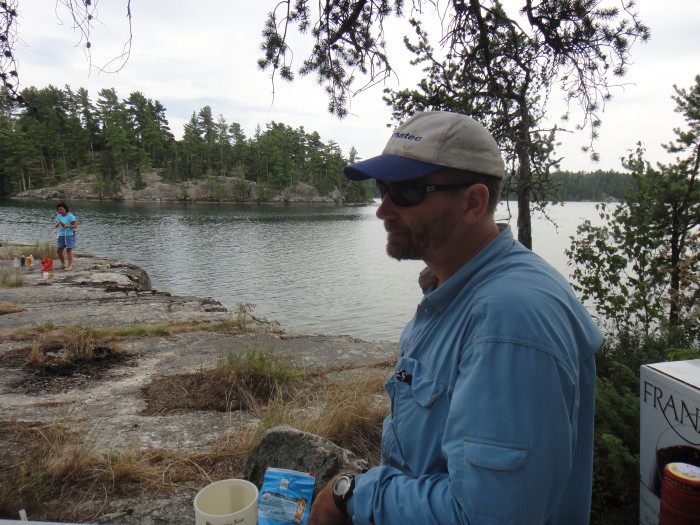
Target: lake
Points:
(315, 268)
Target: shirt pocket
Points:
(493, 478)
(413, 433)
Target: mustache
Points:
(393, 226)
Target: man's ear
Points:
(476, 202)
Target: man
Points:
(492, 401)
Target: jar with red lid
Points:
(680, 495)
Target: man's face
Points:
(419, 232)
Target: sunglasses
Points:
(407, 194)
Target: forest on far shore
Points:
(60, 133)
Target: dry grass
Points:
(43, 250)
(7, 308)
(350, 415)
(12, 278)
(238, 325)
(247, 324)
(36, 353)
(38, 250)
(352, 418)
(80, 343)
(52, 468)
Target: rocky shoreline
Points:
(155, 189)
(106, 404)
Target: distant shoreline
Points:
(219, 189)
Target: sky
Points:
(187, 57)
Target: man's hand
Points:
(324, 511)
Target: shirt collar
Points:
(440, 298)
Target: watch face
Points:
(342, 485)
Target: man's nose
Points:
(387, 208)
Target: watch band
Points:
(341, 497)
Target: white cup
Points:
(227, 502)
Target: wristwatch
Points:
(342, 490)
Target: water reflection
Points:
(313, 268)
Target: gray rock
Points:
(212, 189)
(288, 448)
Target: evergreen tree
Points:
(223, 159)
(46, 123)
(239, 145)
(642, 270)
(88, 119)
(18, 153)
(191, 164)
(117, 137)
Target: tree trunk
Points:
(524, 183)
(674, 295)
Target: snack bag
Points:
(285, 497)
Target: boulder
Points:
(286, 447)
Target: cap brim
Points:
(390, 168)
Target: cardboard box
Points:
(669, 427)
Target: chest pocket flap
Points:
(424, 386)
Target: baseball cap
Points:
(428, 142)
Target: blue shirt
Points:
(66, 220)
(492, 402)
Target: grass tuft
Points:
(80, 343)
(259, 370)
(350, 415)
(36, 353)
(7, 308)
(352, 418)
(12, 278)
(245, 381)
(43, 250)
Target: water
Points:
(320, 269)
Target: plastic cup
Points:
(227, 502)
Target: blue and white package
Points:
(285, 497)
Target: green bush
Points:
(616, 459)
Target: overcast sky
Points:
(187, 56)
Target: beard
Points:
(420, 240)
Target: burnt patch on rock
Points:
(47, 371)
